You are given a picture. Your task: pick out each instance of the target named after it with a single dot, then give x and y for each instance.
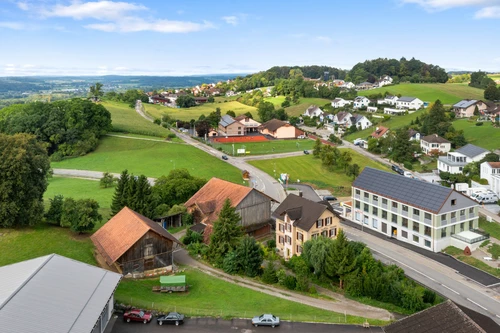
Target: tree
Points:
(248, 114)
(476, 109)
(70, 213)
(107, 180)
(211, 99)
(491, 92)
(341, 260)
(269, 275)
(95, 91)
(402, 149)
(88, 216)
(353, 170)
(265, 111)
(185, 101)
(249, 254)
(226, 234)
(344, 160)
(202, 127)
(53, 215)
(315, 253)
(141, 199)
(24, 166)
(480, 80)
(317, 148)
(231, 113)
(119, 198)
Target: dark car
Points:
(329, 198)
(225, 158)
(171, 318)
(398, 170)
(137, 315)
(266, 320)
(306, 152)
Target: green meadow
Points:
(485, 136)
(157, 111)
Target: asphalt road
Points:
(205, 325)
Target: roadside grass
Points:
(309, 170)
(493, 228)
(459, 254)
(153, 159)
(485, 136)
(393, 123)
(22, 244)
(211, 296)
(157, 111)
(267, 147)
(78, 188)
(125, 119)
(447, 93)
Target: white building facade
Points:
(454, 162)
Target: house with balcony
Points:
(388, 100)
(454, 162)
(465, 108)
(423, 214)
(340, 102)
(299, 219)
(360, 102)
(409, 103)
(434, 143)
(491, 172)
(248, 123)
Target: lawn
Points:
(211, 296)
(485, 136)
(297, 110)
(150, 158)
(448, 93)
(393, 123)
(493, 228)
(459, 254)
(195, 112)
(126, 119)
(267, 147)
(78, 188)
(309, 170)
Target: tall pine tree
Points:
(119, 197)
(341, 259)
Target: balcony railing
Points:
(483, 236)
(462, 217)
(427, 221)
(356, 196)
(384, 206)
(453, 219)
(416, 217)
(404, 213)
(394, 209)
(444, 222)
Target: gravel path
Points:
(140, 110)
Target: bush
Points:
(56, 157)
(312, 290)
(271, 244)
(107, 180)
(290, 282)
(157, 121)
(408, 165)
(429, 296)
(171, 135)
(269, 276)
(479, 123)
(192, 237)
(302, 283)
(196, 249)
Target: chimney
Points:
(300, 194)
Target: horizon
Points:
(143, 38)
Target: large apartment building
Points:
(427, 215)
(299, 220)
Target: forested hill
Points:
(402, 70)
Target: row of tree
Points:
(78, 215)
(130, 96)
(332, 158)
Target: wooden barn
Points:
(132, 244)
(253, 206)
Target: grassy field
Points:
(195, 112)
(297, 110)
(309, 170)
(393, 123)
(485, 136)
(150, 158)
(210, 296)
(448, 93)
(125, 119)
(492, 228)
(78, 188)
(459, 254)
(268, 147)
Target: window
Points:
(427, 243)
(384, 214)
(416, 239)
(288, 227)
(282, 227)
(404, 234)
(405, 222)
(319, 223)
(462, 212)
(358, 217)
(324, 233)
(462, 226)
(394, 205)
(427, 231)
(300, 237)
(288, 240)
(366, 195)
(365, 221)
(443, 233)
(315, 235)
(405, 208)
(443, 218)
(281, 240)
(427, 216)
(358, 192)
(453, 215)
(366, 208)
(328, 221)
(375, 210)
(416, 227)
(394, 218)
(358, 205)
(299, 249)
(471, 210)
(416, 212)
(333, 232)
(375, 198)
(384, 201)
(453, 202)
(375, 223)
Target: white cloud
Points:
(233, 20)
(323, 39)
(434, 5)
(23, 5)
(488, 12)
(135, 24)
(12, 25)
(121, 68)
(28, 66)
(100, 10)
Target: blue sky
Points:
(60, 37)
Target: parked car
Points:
(408, 174)
(358, 141)
(225, 158)
(171, 318)
(301, 137)
(398, 170)
(266, 320)
(137, 315)
(487, 197)
(329, 198)
(306, 152)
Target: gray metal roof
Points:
(471, 150)
(53, 294)
(406, 99)
(465, 103)
(417, 193)
(226, 120)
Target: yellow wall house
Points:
(299, 220)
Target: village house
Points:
(360, 102)
(56, 294)
(248, 123)
(410, 103)
(338, 83)
(228, 126)
(371, 109)
(434, 144)
(491, 172)
(342, 118)
(279, 129)
(380, 132)
(360, 121)
(384, 81)
(455, 161)
(388, 100)
(313, 111)
(340, 102)
(364, 86)
(434, 219)
(348, 85)
(299, 220)
(414, 135)
(254, 207)
(465, 108)
(134, 245)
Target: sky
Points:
(146, 37)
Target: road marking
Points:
(497, 316)
(482, 307)
(456, 292)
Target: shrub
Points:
(429, 296)
(302, 283)
(408, 165)
(107, 180)
(157, 121)
(479, 123)
(53, 216)
(171, 135)
(271, 244)
(290, 282)
(192, 237)
(281, 275)
(165, 125)
(56, 157)
(269, 276)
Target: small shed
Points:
(245, 174)
(170, 221)
(173, 280)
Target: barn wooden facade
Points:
(133, 244)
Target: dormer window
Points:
(453, 202)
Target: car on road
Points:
(171, 318)
(398, 170)
(306, 152)
(137, 315)
(301, 137)
(266, 320)
(329, 198)
(225, 158)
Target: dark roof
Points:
(198, 227)
(471, 150)
(417, 193)
(273, 124)
(442, 318)
(226, 120)
(412, 132)
(302, 211)
(486, 323)
(434, 138)
(406, 99)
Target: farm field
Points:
(485, 136)
(429, 92)
(150, 158)
(267, 147)
(157, 111)
(125, 119)
(393, 123)
(210, 296)
(309, 170)
(297, 110)
(78, 188)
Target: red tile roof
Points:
(120, 233)
(494, 165)
(379, 132)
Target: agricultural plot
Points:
(157, 111)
